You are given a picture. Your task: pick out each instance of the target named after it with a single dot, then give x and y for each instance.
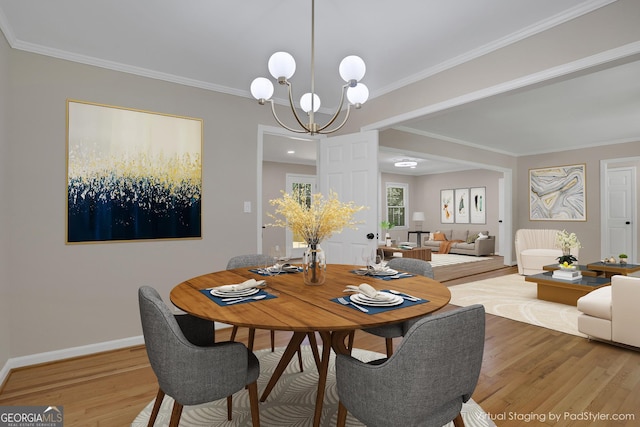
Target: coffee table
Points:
(584, 270)
(417, 253)
(565, 291)
(610, 268)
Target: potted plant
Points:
(566, 241)
(386, 225)
(623, 259)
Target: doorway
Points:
(618, 210)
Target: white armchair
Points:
(611, 313)
(537, 248)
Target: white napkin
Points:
(371, 292)
(248, 284)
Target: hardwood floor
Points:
(529, 375)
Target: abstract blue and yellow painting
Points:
(132, 174)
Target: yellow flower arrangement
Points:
(317, 222)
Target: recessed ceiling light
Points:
(291, 152)
(405, 164)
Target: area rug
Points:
(439, 260)
(512, 297)
(291, 403)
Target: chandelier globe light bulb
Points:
(262, 88)
(305, 102)
(282, 64)
(352, 68)
(358, 95)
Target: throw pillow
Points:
(439, 237)
(432, 235)
(482, 236)
(472, 238)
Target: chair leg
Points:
(389, 342)
(253, 402)
(229, 407)
(175, 414)
(156, 408)
(234, 331)
(352, 336)
(458, 421)
(342, 415)
(273, 341)
(252, 336)
(300, 359)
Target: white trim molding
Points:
(51, 356)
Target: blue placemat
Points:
(262, 273)
(219, 301)
(394, 277)
(377, 309)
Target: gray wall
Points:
(588, 231)
(84, 294)
(61, 296)
(4, 205)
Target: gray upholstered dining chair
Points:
(190, 367)
(397, 330)
(433, 372)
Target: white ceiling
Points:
(224, 45)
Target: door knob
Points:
(370, 236)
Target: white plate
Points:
(229, 294)
(364, 300)
(386, 272)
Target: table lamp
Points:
(418, 218)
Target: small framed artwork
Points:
(477, 205)
(461, 205)
(446, 207)
(558, 193)
(132, 174)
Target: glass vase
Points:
(314, 265)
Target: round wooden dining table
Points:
(305, 309)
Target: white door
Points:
(348, 165)
(620, 213)
(304, 186)
(501, 210)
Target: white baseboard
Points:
(51, 356)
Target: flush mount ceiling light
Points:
(406, 164)
(282, 66)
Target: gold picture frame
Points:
(132, 174)
(558, 193)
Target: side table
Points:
(610, 268)
(419, 237)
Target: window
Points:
(397, 203)
(301, 187)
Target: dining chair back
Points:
(411, 265)
(433, 372)
(249, 260)
(397, 330)
(188, 372)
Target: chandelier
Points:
(282, 66)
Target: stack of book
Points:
(572, 275)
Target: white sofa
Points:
(536, 248)
(611, 313)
